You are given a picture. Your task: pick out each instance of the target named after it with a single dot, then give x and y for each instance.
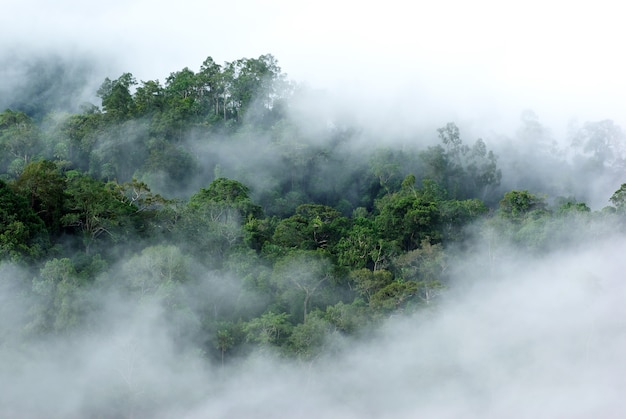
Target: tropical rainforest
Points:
(254, 226)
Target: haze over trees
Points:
(205, 196)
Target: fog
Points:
(538, 337)
(514, 335)
(485, 61)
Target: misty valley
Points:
(225, 243)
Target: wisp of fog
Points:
(538, 337)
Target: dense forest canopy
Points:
(205, 198)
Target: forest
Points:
(249, 228)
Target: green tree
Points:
(356, 246)
(268, 329)
(348, 318)
(457, 215)
(224, 341)
(367, 283)
(300, 276)
(157, 272)
(227, 193)
(94, 209)
(117, 101)
(618, 199)
(308, 339)
(44, 186)
(208, 79)
(407, 217)
(149, 98)
(61, 305)
(313, 226)
(22, 232)
(386, 168)
(212, 222)
(515, 205)
(425, 266)
(396, 295)
(20, 141)
(464, 172)
(76, 137)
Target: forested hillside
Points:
(207, 196)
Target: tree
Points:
(22, 232)
(407, 217)
(384, 165)
(212, 221)
(227, 193)
(355, 248)
(394, 296)
(268, 329)
(313, 226)
(457, 215)
(618, 199)
(208, 79)
(482, 171)
(224, 340)
(149, 98)
(157, 272)
(44, 186)
(117, 101)
(20, 141)
(425, 266)
(301, 276)
(367, 283)
(167, 166)
(77, 136)
(463, 171)
(307, 339)
(515, 205)
(60, 307)
(604, 143)
(94, 209)
(252, 79)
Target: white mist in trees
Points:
(157, 271)
(301, 276)
(427, 267)
(542, 339)
(213, 219)
(268, 329)
(14, 286)
(463, 171)
(604, 142)
(20, 141)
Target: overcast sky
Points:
(480, 59)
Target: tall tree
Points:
(22, 232)
(117, 100)
(94, 209)
(44, 186)
(20, 141)
(301, 276)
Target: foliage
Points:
(297, 238)
(95, 210)
(43, 184)
(22, 233)
(518, 204)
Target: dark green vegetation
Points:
(206, 196)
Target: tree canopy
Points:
(204, 194)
